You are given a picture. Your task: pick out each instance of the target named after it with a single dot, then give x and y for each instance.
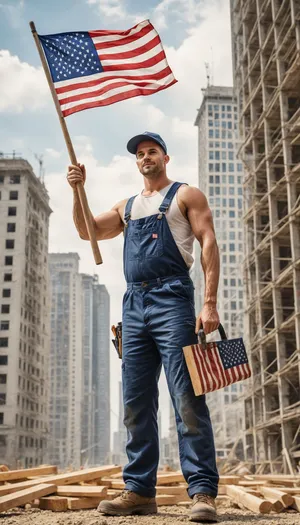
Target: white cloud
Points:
(22, 86)
(110, 8)
(53, 153)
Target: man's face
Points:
(151, 159)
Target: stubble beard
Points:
(151, 171)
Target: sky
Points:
(193, 32)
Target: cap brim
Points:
(135, 141)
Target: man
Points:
(159, 227)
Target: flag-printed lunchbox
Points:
(216, 364)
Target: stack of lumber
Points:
(44, 488)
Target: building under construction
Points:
(266, 62)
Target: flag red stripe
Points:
(123, 41)
(81, 85)
(115, 98)
(220, 367)
(209, 383)
(208, 360)
(101, 91)
(133, 53)
(139, 65)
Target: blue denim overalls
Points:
(158, 320)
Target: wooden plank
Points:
(166, 499)
(85, 503)
(68, 478)
(239, 496)
(25, 496)
(12, 475)
(170, 477)
(296, 504)
(229, 480)
(54, 503)
(277, 505)
(80, 491)
(253, 483)
(269, 492)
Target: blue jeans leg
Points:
(141, 369)
(172, 328)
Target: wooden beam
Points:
(25, 496)
(68, 478)
(84, 503)
(80, 491)
(239, 496)
(12, 475)
(296, 504)
(269, 492)
(54, 503)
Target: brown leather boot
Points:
(128, 503)
(203, 508)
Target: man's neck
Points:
(152, 186)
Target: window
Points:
(230, 155)
(217, 167)
(6, 292)
(232, 236)
(12, 211)
(233, 305)
(8, 277)
(231, 247)
(239, 167)
(224, 169)
(3, 378)
(231, 179)
(211, 155)
(209, 107)
(211, 167)
(1, 179)
(211, 179)
(11, 227)
(217, 134)
(217, 116)
(2, 399)
(217, 178)
(210, 123)
(3, 360)
(1, 418)
(9, 244)
(13, 195)
(5, 308)
(4, 325)
(232, 259)
(231, 190)
(15, 179)
(231, 215)
(228, 108)
(217, 155)
(8, 260)
(231, 166)
(3, 342)
(211, 133)
(230, 145)
(211, 191)
(216, 107)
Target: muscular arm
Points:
(200, 218)
(107, 225)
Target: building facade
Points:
(266, 49)
(24, 318)
(221, 180)
(79, 365)
(65, 360)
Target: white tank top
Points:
(143, 206)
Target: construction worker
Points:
(160, 225)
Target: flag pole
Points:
(79, 186)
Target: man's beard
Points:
(152, 171)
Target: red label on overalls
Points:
(154, 235)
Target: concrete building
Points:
(79, 365)
(266, 50)
(65, 360)
(221, 179)
(24, 319)
(101, 372)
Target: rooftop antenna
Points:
(207, 73)
(39, 158)
(212, 66)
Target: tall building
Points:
(221, 179)
(266, 49)
(65, 360)
(101, 371)
(24, 320)
(120, 437)
(79, 365)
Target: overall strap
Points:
(169, 197)
(128, 209)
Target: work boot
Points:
(203, 508)
(128, 503)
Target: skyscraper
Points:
(266, 50)
(79, 365)
(221, 179)
(24, 320)
(65, 360)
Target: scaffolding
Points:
(266, 62)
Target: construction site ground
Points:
(171, 515)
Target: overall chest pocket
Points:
(144, 244)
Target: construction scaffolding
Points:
(266, 63)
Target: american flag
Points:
(219, 364)
(98, 68)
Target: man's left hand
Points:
(208, 318)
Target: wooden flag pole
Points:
(79, 187)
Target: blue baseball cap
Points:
(147, 135)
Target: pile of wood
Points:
(44, 488)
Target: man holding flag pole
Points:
(88, 69)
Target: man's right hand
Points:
(76, 174)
